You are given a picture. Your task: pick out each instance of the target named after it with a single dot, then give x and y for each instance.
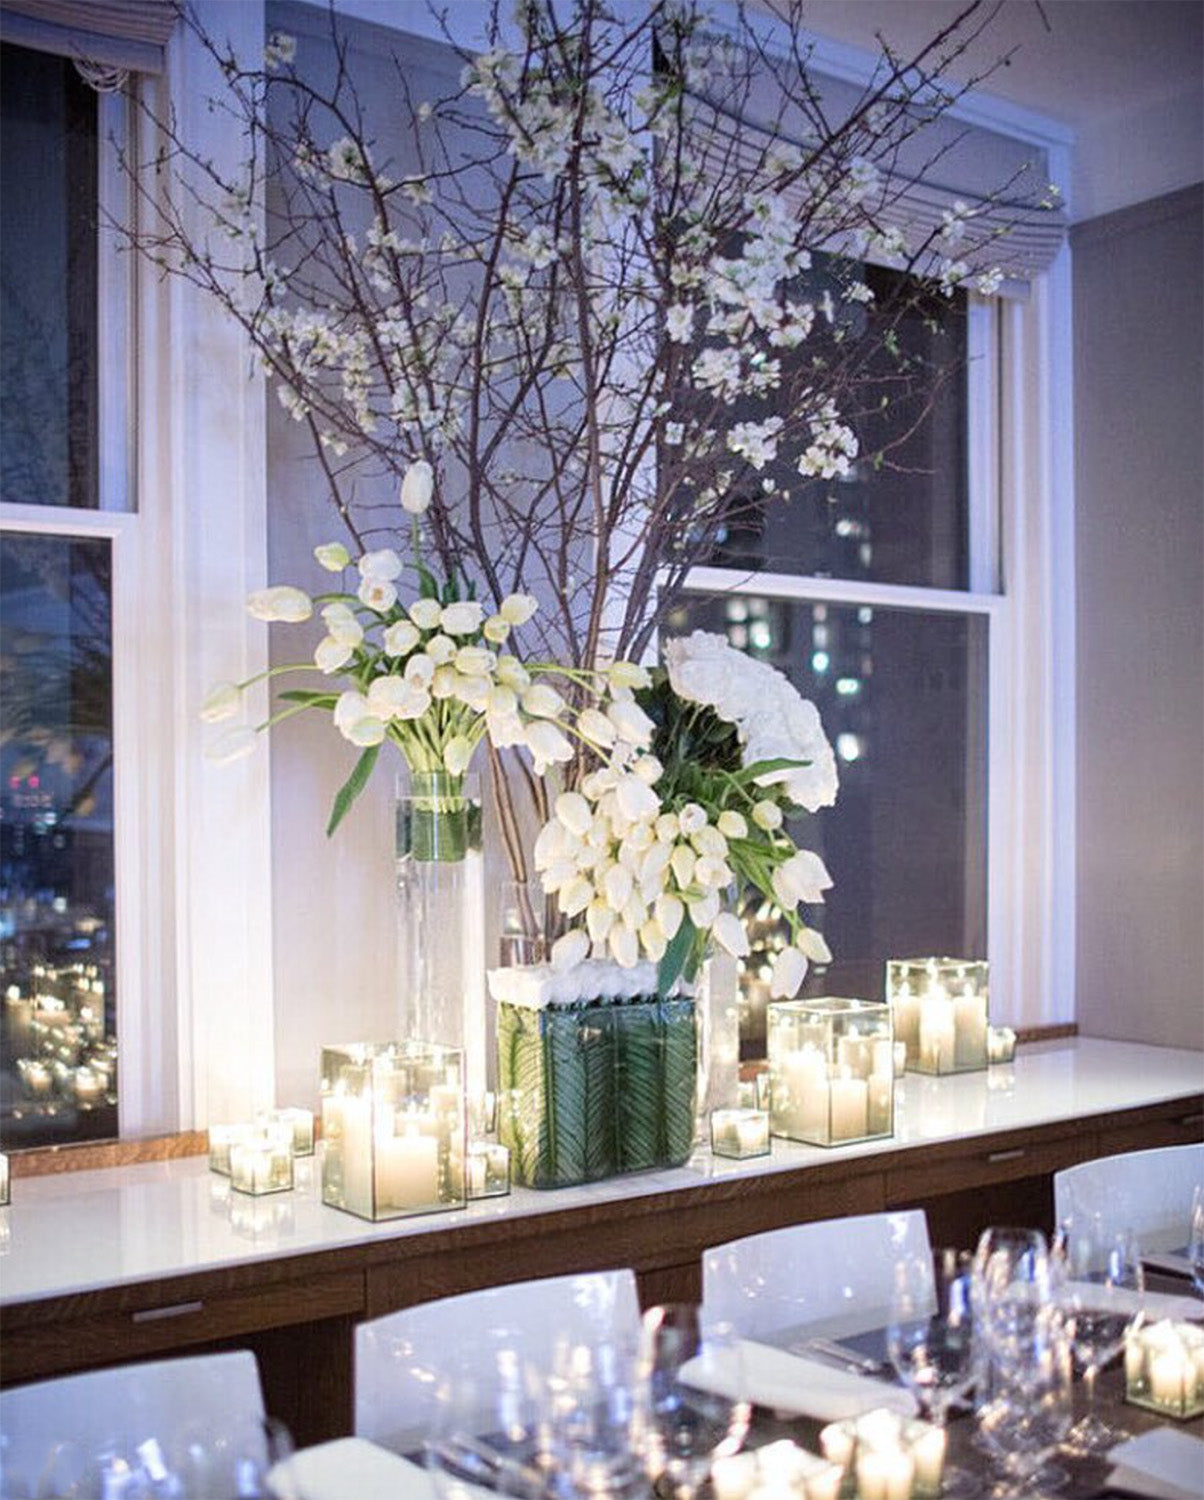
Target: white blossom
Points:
(282, 602)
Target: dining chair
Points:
(1148, 1192)
(400, 1358)
(205, 1399)
(811, 1273)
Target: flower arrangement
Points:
(645, 855)
(431, 674)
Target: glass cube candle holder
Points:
(740, 1133)
(831, 1069)
(1001, 1044)
(300, 1125)
(882, 1448)
(940, 1012)
(261, 1161)
(5, 1181)
(488, 1170)
(393, 1127)
(221, 1139)
(1164, 1369)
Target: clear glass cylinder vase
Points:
(441, 918)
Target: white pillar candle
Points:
(906, 1008)
(837, 1441)
(850, 1108)
(478, 1169)
(900, 1059)
(347, 1123)
(881, 1097)
(803, 1109)
(882, 1058)
(734, 1477)
(1134, 1360)
(752, 1132)
(970, 1031)
(1172, 1377)
(885, 1474)
(5, 1181)
(856, 1054)
(937, 1033)
(407, 1171)
(928, 1451)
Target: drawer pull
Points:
(176, 1310)
(1191, 1122)
(997, 1156)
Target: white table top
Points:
(81, 1231)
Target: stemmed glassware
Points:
(1102, 1292)
(1195, 1240)
(1031, 1406)
(694, 1408)
(488, 1426)
(930, 1339)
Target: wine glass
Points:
(1031, 1406)
(1102, 1292)
(1195, 1240)
(487, 1428)
(592, 1418)
(930, 1339)
(1014, 1276)
(692, 1393)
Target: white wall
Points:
(1139, 394)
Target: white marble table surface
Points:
(81, 1231)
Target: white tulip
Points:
(703, 909)
(654, 862)
(624, 946)
(636, 799)
(801, 878)
(638, 838)
(505, 729)
(463, 618)
(574, 812)
(378, 594)
(457, 754)
(546, 744)
(767, 815)
(349, 707)
(728, 931)
(474, 661)
(683, 859)
(570, 950)
(231, 746)
(501, 702)
(732, 824)
(596, 728)
(512, 673)
(575, 895)
(441, 649)
(813, 945)
(341, 624)
(789, 971)
(220, 703)
(648, 769)
(669, 914)
(710, 841)
(691, 818)
(631, 722)
(517, 609)
(400, 638)
(712, 874)
(653, 940)
(366, 732)
(443, 683)
(541, 701)
(667, 828)
(330, 654)
(425, 613)
(617, 886)
(626, 674)
(282, 602)
(420, 670)
(333, 556)
(473, 692)
(599, 919)
(384, 565)
(495, 629)
(417, 487)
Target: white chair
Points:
(400, 1358)
(1148, 1192)
(51, 1431)
(836, 1272)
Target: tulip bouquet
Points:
(432, 674)
(645, 856)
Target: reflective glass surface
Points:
(58, 1078)
(903, 698)
(48, 286)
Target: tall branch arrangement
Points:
(586, 301)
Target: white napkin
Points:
(349, 1469)
(1161, 1464)
(784, 1382)
(1157, 1305)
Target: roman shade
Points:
(130, 35)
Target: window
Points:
(60, 498)
(859, 590)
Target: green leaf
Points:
(427, 587)
(352, 787)
(675, 956)
(310, 696)
(765, 767)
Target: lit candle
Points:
(900, 1059)
(733, 1477)
(5, 1181)
(261, 1163)
(1172, 1377)
(347, 1128)
(881, 1098)
(907, 1021)
(802, 1110)
(221, 1138)
(927, 1445)
(488, 1169)
(407, 1170)
(970, 1031)
(300, 1125)
(752, 1132)
(883, 1057)
(88, 1086)
(1134, 1360)
(850, 1108)
(1001, 1044)
(855, 1053)
(937, 1032)
(885, 1474)
(838, 1440)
